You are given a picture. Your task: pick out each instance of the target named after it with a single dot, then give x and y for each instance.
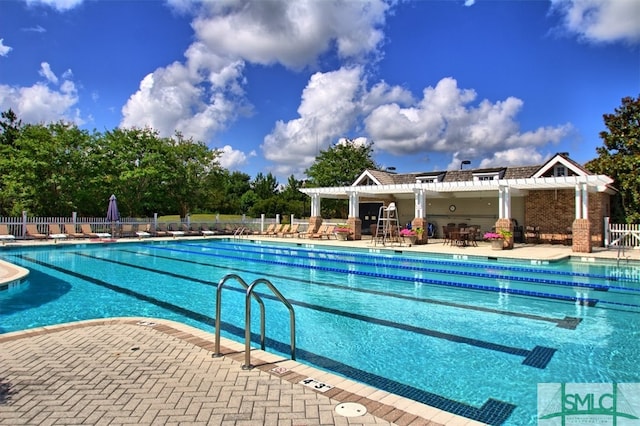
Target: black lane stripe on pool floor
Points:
(569, 323)
(532, 357)
(492, 411)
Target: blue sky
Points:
(271, 83)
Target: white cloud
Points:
(40, 104)
(329, 107)
(4, 50)
(59, 5)
(601, 20)
(446, 121)
(233, 159)
(516, 157)
(45, 71)
(36, 29)
(293, 34)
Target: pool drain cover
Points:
(351, 409)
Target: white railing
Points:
(621, 234)
(17, 225)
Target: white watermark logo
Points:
(616, 404)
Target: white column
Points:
(354, 204)
(507, 202)
(420, 201)
(315, 204)
(578, 202)
(501, 195)
(585, 202)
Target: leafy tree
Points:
(340, 165)
(620, 159)
(265, 186)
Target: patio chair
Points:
(55, 232)
(71, 231)
(89, 232)
(5, 235)
(532, 234)
(33, 232)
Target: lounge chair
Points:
(205, 230)
(306, 234)
(142, 232)
(55, 233)
(5, 235)
(190, 229)
(274, 232)
(320, 232)
(283, 230)
(70, 230)
(292, 231)
(32, 231)
(88, 231)
(269, 229)
(159, 230)
(172, 229)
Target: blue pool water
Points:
(468, 335)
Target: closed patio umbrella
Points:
(112, 213)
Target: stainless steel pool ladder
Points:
(247, 321)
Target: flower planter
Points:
(411, 239)
(497, 244)
(342, 236)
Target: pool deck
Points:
(153, 371)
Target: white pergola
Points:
(505, 189)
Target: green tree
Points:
(619, 158)
(340, 165)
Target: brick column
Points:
(420, 222)
(315, 222)
(581, 233)
(506, 225)
(356, 224)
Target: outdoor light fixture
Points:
(392, 207)
(464, 162)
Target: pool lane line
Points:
(532, 357)
(398, 263)
(492, 411)
(567, 322)
(472, 263)
(413, 267)
(574, 299)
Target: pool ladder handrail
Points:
(249, 293)
(238, 233)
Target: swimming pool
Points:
(467, 335)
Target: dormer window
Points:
(560, 170)
(427, 180)
(486, 176)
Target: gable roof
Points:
(520, 179)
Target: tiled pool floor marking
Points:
(492, 412)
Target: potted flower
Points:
(342, 232)
(409, 234)
(497, 238)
